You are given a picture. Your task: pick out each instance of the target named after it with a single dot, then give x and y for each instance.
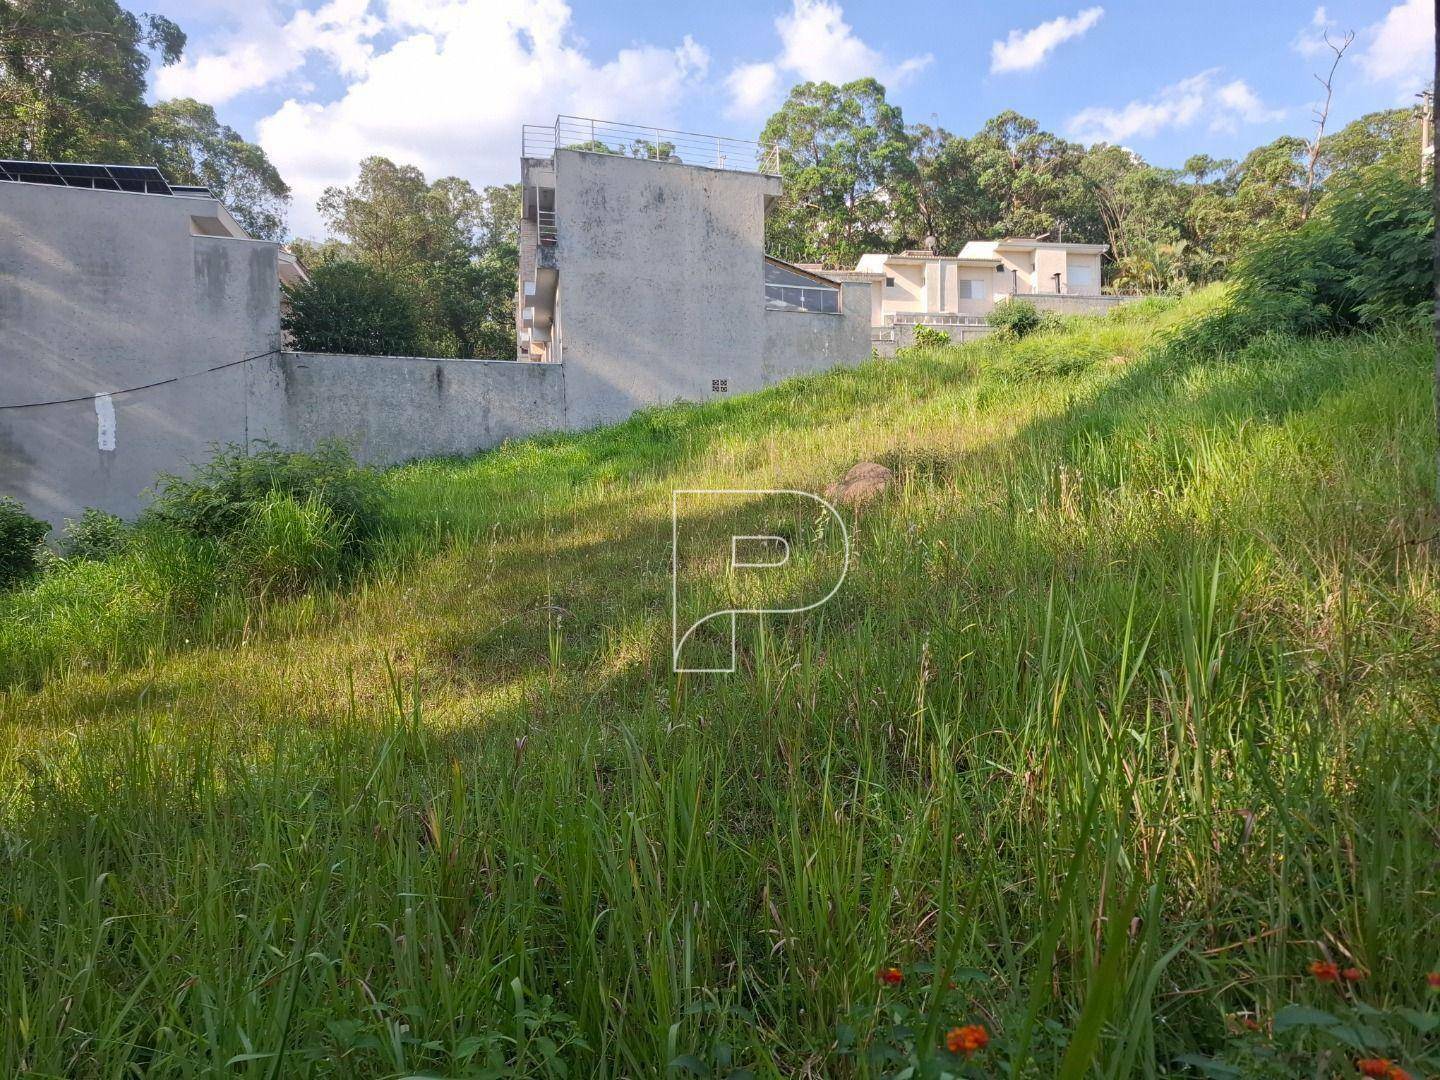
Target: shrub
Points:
(286, 544)
(225, 493)
(95, 535)
(1015, 318)
(931, 337)
(1364, 259)
(20, 537)
(348, 307)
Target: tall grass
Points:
(1125, 714)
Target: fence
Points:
(653, 143)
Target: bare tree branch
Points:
(1322, 114)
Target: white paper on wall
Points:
(105, 421)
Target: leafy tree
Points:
(1390, 138)
(350, 307)
(1032, 179)
(1265, 194)
(72, 78)
(500, 215)
(843, 151)
(192, 147)
(447, 246)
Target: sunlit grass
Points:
(1137, 643)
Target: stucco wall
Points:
(661, 282)
(389, 409)
(798, 342)
(101, 291)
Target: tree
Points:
(192, 147)
(1262, 195)
(450, 248)
(1032, 178)
(1390, 138)
(72, 78)
(843, 154)
(348, 307)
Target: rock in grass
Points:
(861, 484)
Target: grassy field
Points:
(1125, 715)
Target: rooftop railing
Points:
(651, 143)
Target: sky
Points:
(446, 84)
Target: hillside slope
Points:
(1126, 713)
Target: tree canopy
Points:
(449, 248)
(858, 179)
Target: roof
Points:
(987, 249)
(795, 268)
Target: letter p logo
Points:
(746, 551)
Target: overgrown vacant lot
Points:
(1126, 714)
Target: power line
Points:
(145, 386)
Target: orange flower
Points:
(1353, 974)
(968, 1039)
(1397, 1073)
(1433, 978)
(1374, 1067)
(1325, 971)
(891, 976)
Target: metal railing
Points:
(651, 143)
(934, 318)
(545, 226)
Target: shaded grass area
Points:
(1136, 641)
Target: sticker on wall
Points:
(105, 421)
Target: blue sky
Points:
(445, 84)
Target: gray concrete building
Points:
(643, 271)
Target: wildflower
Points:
(1325, 971)
(1373, 1067)
(891, 976)
(967, 1040)
(1353, 974)
(1433, 979)
(1397, 1073)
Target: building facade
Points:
(643, 271)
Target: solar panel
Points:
(139, 178)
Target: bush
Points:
(348, 307)
(1364, 259)
(930, 337)
(95, 535)
(223, 495)
(286, 544)
(20, 538)
(1015, 318)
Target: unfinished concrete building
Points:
(643, 271)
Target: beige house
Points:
(913, 284)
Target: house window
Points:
(788, 290)
(972, 289)
(889, 283)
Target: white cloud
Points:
(1226, 106)
(816, 44)
(450, 89)
(264, 49)
(1025, 49)
(1400, 48)
(1310, 41)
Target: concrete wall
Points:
(662, 285)
(661, 293)
(389, 409)
(799, 342)
(105, 290)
